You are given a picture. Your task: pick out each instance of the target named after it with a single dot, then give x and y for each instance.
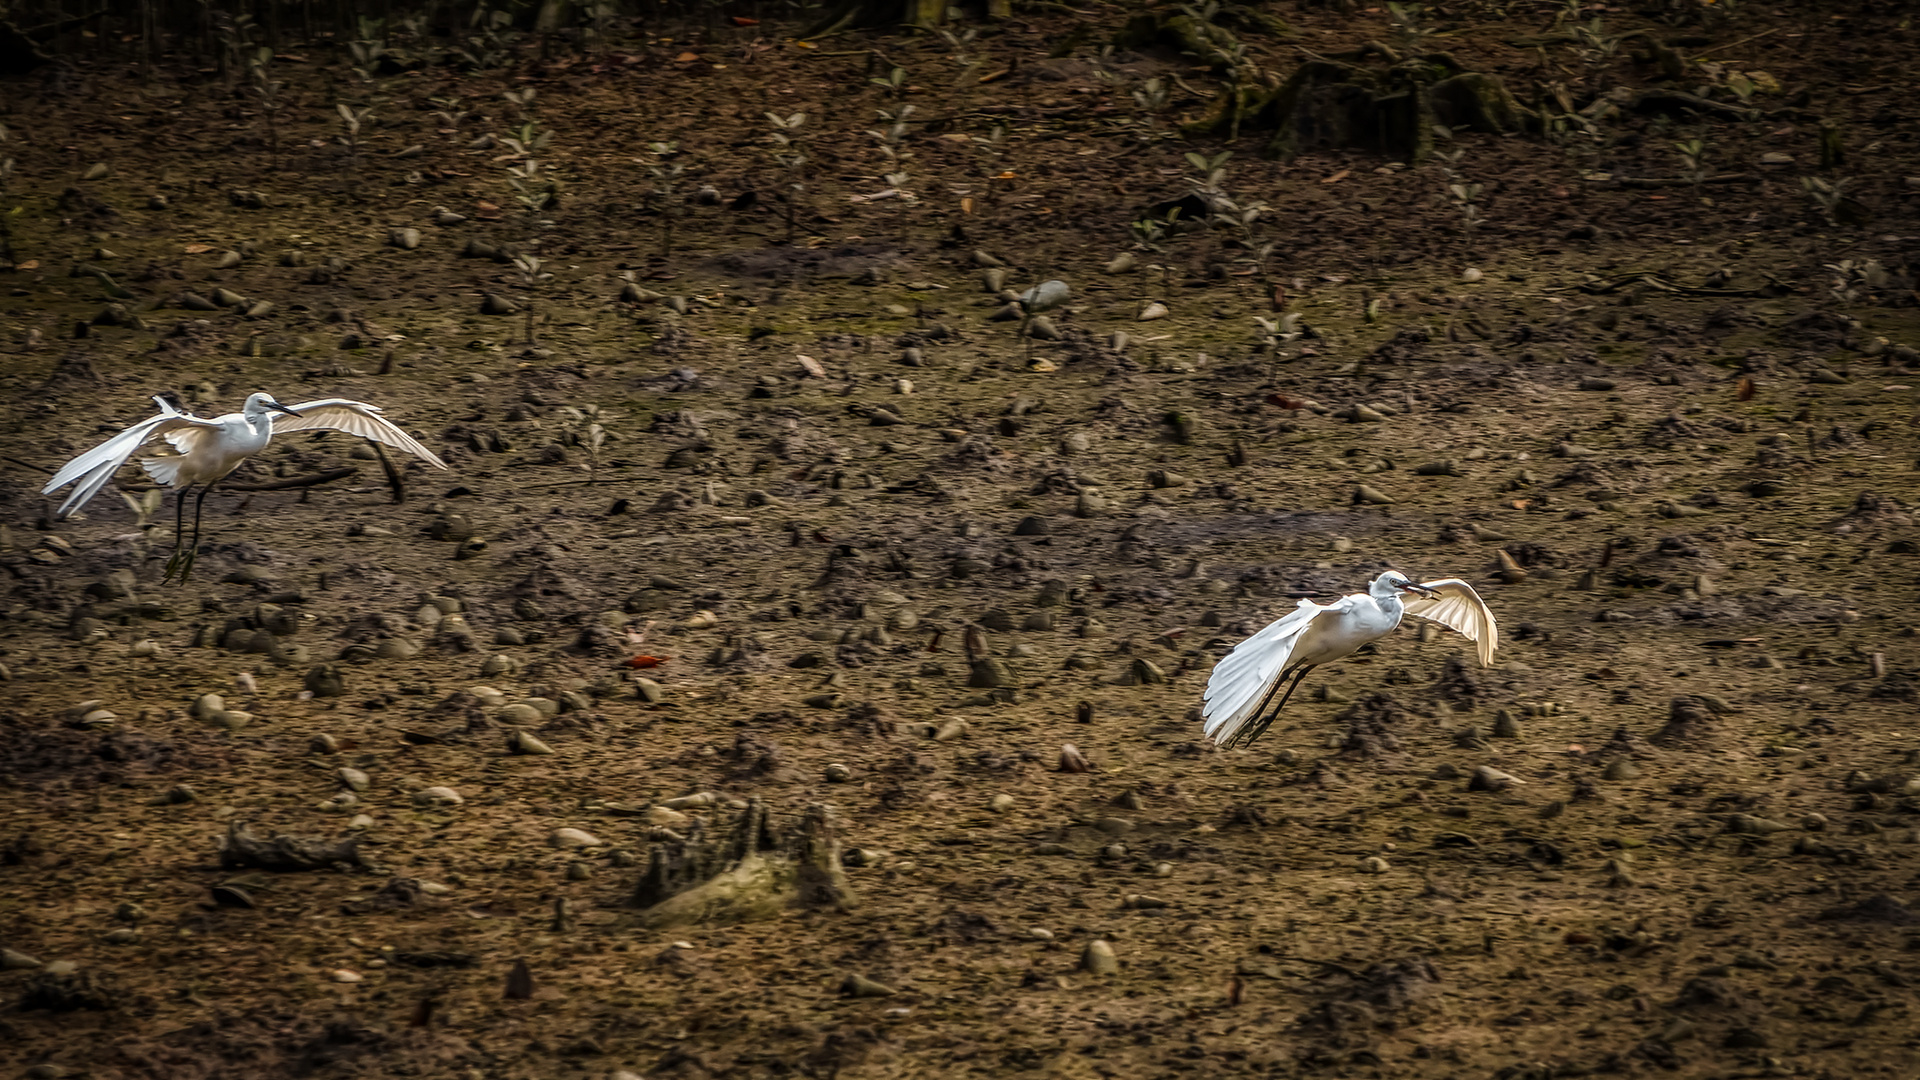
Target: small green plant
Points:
(791, 155)
(352, 120)
(367, 55)
(1464, 197)
(1854, 280)
(991, 147)
(449, 112)
(1693, 160)
(1408, 31)
(583, 430)
(533, 190)
(531, 278)
(1593, 45)
(267, 89)
(962, 54)
(895, 82)
(1151, 97)
(1147, 233)
(1210, 182)
(1276, 334)
(528, 138)
(600, 16)
(893, 145)
(235, 33)
(522, 100)
(1829, 196)
(666, 177)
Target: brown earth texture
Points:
(756, 513)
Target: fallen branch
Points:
(311, 480)
(393, 475)
(1669, 181)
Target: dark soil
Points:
(838, 509)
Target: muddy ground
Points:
(1690, 511)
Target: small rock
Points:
(665, 816)
(437, 796)
(1488, 778)
(1098, 959)
(521, 742)
(863, 987)
(1620, 769)
(567, 837)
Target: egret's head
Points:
(264, 402)
(1395, 583)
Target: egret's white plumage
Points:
(1314, 634)
(205, 451)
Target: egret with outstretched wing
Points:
(1314, 634)
(205, 451)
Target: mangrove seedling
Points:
(531, 278)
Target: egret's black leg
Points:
(1262, 723)
(1276, 708)
(1259, 726)
(179, 523)
(199, 501)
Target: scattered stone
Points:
(1098, 959)
(862, 987)
(522, 742)
(1488, 778)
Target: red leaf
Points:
(648, 661)
(742, 20)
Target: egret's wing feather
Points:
(1240, 681)
(354, 418)
(185, 440)
(1457, 607)
(90, 471)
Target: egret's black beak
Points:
(281, 408)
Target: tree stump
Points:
(753, 872)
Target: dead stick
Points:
(393, 474)
(26, 464)
(312, 480)
(1742, 41)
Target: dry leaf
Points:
(966, 205)
(813, 366)
(687, 57)
(1744, 392)
(1337, 177)
(197, 249)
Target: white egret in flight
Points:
(1314, 634)
(205, 451)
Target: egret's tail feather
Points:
(1244, 680)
